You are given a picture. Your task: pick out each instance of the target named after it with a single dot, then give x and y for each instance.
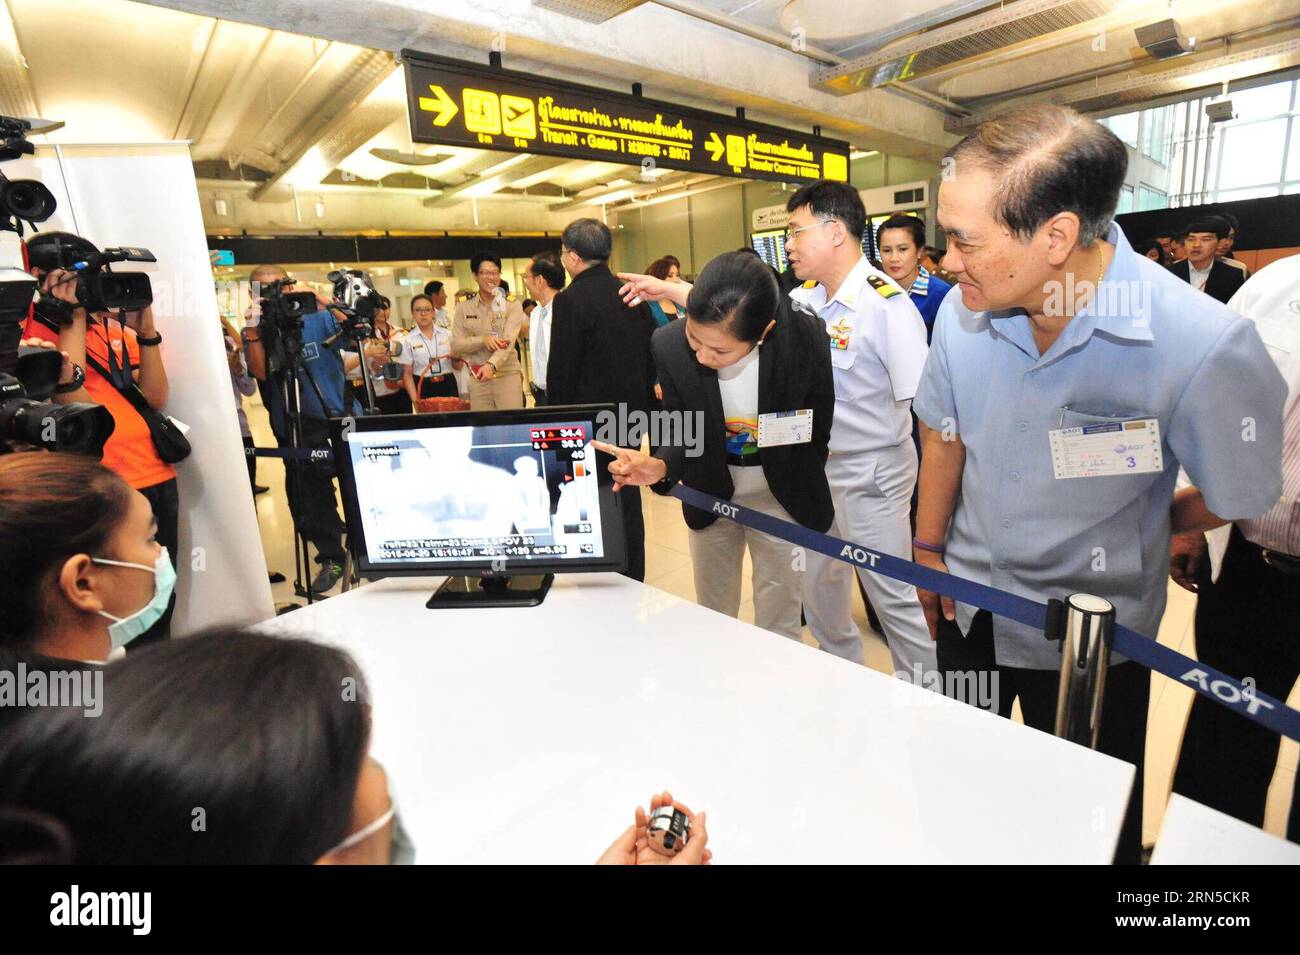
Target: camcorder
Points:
(30, 375)
(357, 301)
(99, 288)
(283, 311)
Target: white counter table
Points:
(529, 735)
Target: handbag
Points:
(172, 446)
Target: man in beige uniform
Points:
(483, 333)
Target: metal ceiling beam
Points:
(527, 166)
(330, 119)
(774, 37)
(1011, 23)
(1185, 75)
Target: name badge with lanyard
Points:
(1107, 449)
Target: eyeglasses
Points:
(422, 311)
(791, 233)
(488, 275)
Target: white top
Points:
(539, 341)
(1198, 277)
(421, 348)
(1192, 834)
(738, 385)
(878, 351)
(579, 709)
(1272, 299)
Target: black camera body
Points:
(29, 376)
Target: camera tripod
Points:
(288, 384)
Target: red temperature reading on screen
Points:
(547, 439)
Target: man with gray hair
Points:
(600, 352)
(1068, 380)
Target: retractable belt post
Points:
(1084, 627)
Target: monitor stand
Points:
(499, 590)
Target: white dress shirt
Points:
(878, 351)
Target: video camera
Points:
(99, 288)
(358, 302)
(30, 375)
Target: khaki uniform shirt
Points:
(475, 319)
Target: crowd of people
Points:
(933, 391)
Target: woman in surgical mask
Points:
(229, 747)
(83, 573)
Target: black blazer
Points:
(1223, 280)
(794, 372)
(600, 347)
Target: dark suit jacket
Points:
(1222, 283)
(794, 372)
(600, 347)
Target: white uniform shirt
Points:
(422, 348)
(1272, 299)
(878, 351)
(539, 341)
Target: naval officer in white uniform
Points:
(878, 350)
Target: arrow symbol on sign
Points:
(441, 105)
(715, 147)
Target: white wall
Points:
(145, 195)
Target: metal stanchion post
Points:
(1086, 628)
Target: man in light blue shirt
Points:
(1068, 380)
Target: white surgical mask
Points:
(125, 629)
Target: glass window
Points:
(1254, 192)
(1263, 102)
(1125, 201)
(1293, 162)
(1125, 126)
(1149, 198)
(1252, 154)
(1155, 133)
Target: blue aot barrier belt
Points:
(1206, 680)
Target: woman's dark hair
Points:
(52, 507)
(416, 298)
(225, 748)
(737, 291)
(1162, 257)
(476, 261)
(911, 223)
(660, 267)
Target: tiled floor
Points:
(668, 567)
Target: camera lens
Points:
(28, 199)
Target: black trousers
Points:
(165, 501)
(250, 461)
(633, 532)
(1247, 625)
(1123, 718)
(399, 402)
(539, 396)
(311, 496)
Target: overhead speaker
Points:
(1164, 40)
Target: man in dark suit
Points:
(1201, 269)
(600, 352)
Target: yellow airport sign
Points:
(456, 103)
